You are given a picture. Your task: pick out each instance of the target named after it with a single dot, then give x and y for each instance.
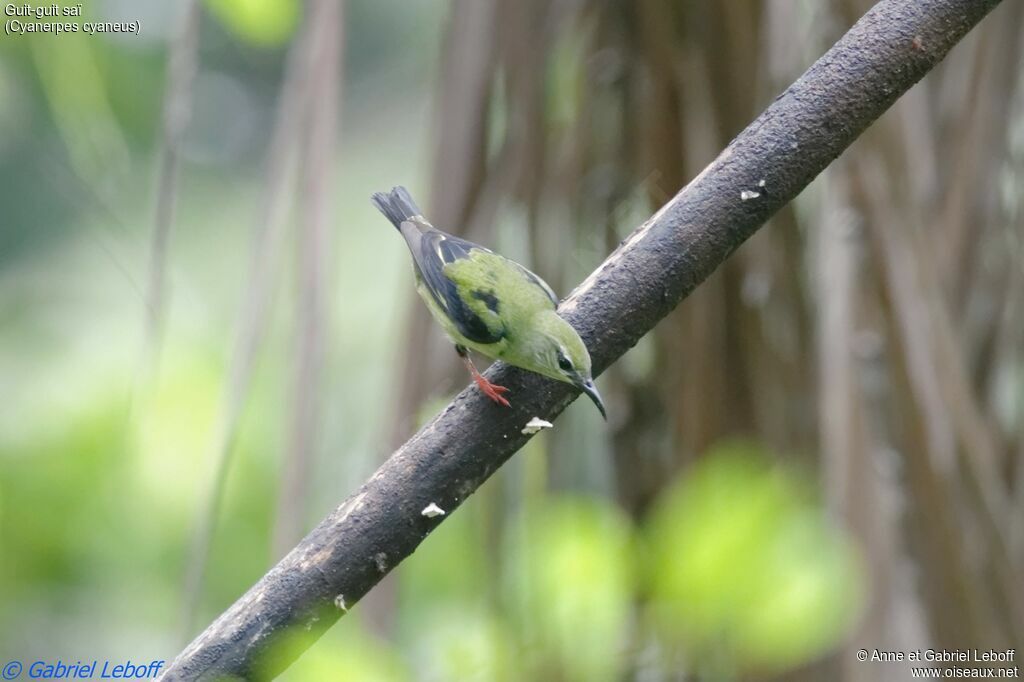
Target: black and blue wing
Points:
(468, 301)
(431, 252)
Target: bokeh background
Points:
(208, 339)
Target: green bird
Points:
(489, 304)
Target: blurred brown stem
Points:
(181, 71)
(313, 251)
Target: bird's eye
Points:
(564, 363)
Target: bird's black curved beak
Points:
(588, 387)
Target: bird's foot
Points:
(492, 391)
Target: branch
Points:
(892, 47)
(181, 71)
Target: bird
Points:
(488, 303)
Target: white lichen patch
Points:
(381, 560)
(432, 510)
(748, 194)
(339, 601)
(535, 425)
(761, 183)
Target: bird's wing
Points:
(534, 279)
(470, 304)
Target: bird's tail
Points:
(397, 205)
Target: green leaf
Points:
(573, 587)
(264, 23)
(745, 571)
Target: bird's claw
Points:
(493, 391)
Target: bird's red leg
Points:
(492, 391)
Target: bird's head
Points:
(557, 351)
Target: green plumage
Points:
(496, 291)
(488, 303)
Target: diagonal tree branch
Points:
(892, 47)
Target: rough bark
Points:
(766, 166)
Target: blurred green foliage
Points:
(261, 22)
(103, 462)
(746, 570)
(571, 588)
